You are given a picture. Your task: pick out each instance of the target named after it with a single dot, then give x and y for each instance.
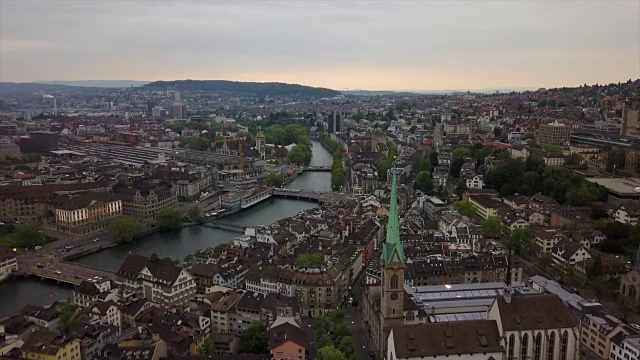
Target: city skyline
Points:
(407, 46)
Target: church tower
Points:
(393, 260)
(260, 145)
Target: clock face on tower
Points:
(394, 296)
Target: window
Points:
(410, 316)
(564, 345)
(537, 347)
(524, 346)
(512, 344)
(551, 346)
(394, 282)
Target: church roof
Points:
(392, 249)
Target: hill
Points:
(242, 88)
(8, 88)
(97, 83)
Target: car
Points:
(62, 251)
(96, 239)
(58, 272)
(69, 247)
(38, 247)
(40, 266)
(635, 326)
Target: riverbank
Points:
(174, 244)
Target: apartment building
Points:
(84, 214)
(466, 270)
(8, 148)
(554, 159)
(555, 133)
(597, 331)
(144, 202)
(88, 292)
(475, 182)
(316, 291)
(155, 279)
(186, 185)
(487, 206)
(8, 262)
(46, 345)
(625, 348)
(546, 239)
(31, 203)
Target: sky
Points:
(415, 45)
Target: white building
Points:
(627, 349)
(157, 280)
(8, 263)
(475, 182)
(568, 253)
(627, 213)
(536, 327)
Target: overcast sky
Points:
(341, 45)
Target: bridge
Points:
(305, 195)
(68, 272)
(316, 168)
(226, 226)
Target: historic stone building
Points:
(630, 283)
(386, 304)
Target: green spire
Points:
(392, 250)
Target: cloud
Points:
(339, 44)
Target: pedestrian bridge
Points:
(305, 195)
(226, 226)
(316, 168)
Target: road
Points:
(48, 261)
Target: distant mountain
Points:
(8, 88)
(380, 93)
(242, 88)
(97, 83)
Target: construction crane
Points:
(240, 139)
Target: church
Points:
(516, 325)
(387, 304)
(630, 284)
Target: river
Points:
(174, 244)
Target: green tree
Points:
(199, 143)
(425, 164)
(492, 227)
(518, 239)
(195, 213)
(309, 260)
(573, 159)
(254, 340)
(27, 235)
(461, 187)
(347, 346)
(276, 135)
(460, 152)
(207, 347)
(324, 340)
(424, 182)
(273, 179)
(68, 317)
(330, 353)
(465, 208)
(169, 219)
(125, 229)
(552, 148)
(188, 258)
(595, 270)
(342, 330)
(297, 156)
